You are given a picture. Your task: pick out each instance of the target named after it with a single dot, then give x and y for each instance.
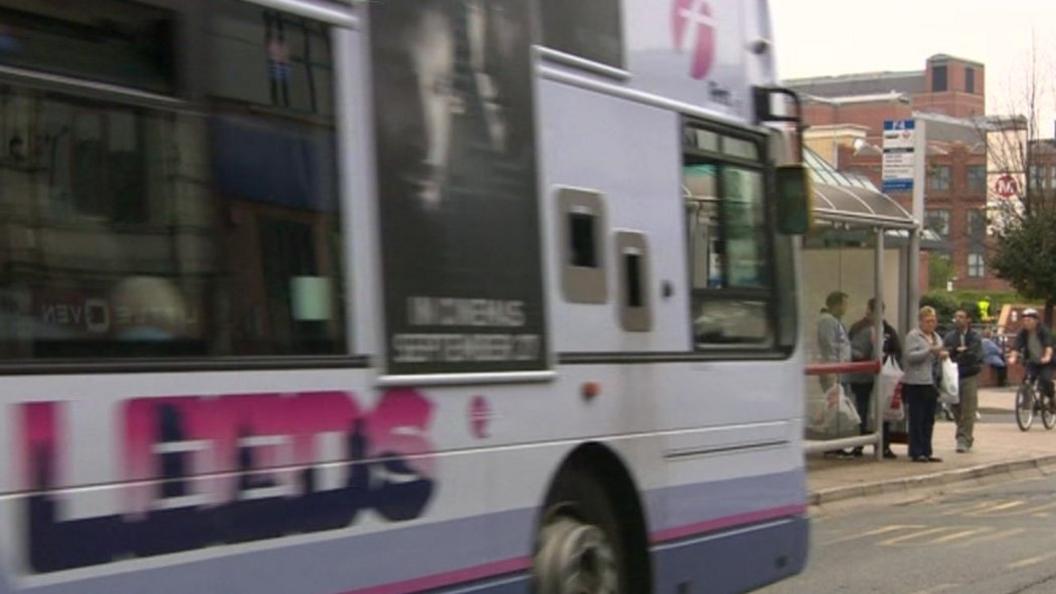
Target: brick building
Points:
(846, 116)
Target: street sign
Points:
(1006, 187)
(899, 143)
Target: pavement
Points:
(1000, 448)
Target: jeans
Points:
(921, 400)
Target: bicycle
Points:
(1030, 403)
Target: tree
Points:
(1025, 256)
(1024, 224)
(940, 271)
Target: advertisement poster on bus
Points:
(457, 186)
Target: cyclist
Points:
(1034, 344)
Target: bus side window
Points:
(636, 304)
(729, 241)
(590, 30)
(583, 229)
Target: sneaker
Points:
(920, 459)
(857, 452)
(962, 449)
(889, 455)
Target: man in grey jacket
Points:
(966, 350)
(834, 346)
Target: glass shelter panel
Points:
(839, 283)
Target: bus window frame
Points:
(764, 166)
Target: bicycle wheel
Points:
(1024, 407)
(1048, 415)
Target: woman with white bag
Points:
(924, 354)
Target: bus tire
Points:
(581, 546)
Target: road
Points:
(998, 539)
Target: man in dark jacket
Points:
(966, 350)
(861, 335)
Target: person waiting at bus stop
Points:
(862, 384)
(1034, 344)
(966, 350)
(924, 353)
(994, 356)
(834, 346)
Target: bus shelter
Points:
(856, 256)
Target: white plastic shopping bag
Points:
(889, 388)
(836, 417)
(949, 390)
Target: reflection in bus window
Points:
(210, 229)
(111, 41)
(744, 227)
(589, 29)
(728, 244)
(702, 206)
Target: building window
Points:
(1036, 179)
(938, 221)
(938, 79)
(590, 30)
(976, 265)
(939, 178)
(969, 80)
(976, 178)
(977, 226)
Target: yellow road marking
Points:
(992, 537)
(959, 535)
(914, 536)
(970, 508)
(876, 532)
(997, 508)
(1039, 508)
(1030, 561)
(939, 588)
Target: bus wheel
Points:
(579, 549)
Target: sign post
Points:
(920, 165)
(904, 170)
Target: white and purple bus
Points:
(350, 297)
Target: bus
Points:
(349, 297)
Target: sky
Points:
(830, 37)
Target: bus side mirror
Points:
(794, 193)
